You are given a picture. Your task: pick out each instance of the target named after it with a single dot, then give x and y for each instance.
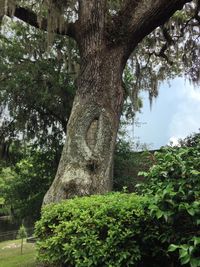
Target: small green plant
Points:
(22, 233)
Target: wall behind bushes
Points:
(127, 165)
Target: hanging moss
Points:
(58, 13)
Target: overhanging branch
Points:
(31, 18)
(142, 17)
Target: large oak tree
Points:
(107, 34)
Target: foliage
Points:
(191, 140)
(36, 88)
(92, 231)
(171, 50)
(174, 190)
(22, 232)
(6, 177)
(188, 253)
(31, 177)
(35, 101)
(160, 227)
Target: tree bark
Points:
(87, 160)
(86, 163)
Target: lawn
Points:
(10, 254)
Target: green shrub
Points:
(173, 188)
(92, 231)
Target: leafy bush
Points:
(92, 231)
(173, 186)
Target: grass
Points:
(10, 254)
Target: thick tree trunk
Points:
(87, 160)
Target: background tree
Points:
(107, 34)
(36, 93)
(191, 140)
(31, 178)
(32, 129)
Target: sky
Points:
(174, 114)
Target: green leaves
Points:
(22, 232)
(36, 89)
(92, 231)
(172, 248)
(188, 251)
(24, 184)
(173, 187)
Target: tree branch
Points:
(168, 43)
(31, 18)
(141, 17)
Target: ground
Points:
(10, 254)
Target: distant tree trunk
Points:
(22, 242)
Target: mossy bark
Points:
(87, 160)
(86, 163)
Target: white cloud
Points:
(175, 114)
(173, 141)
(186, 118)
(193, 93)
